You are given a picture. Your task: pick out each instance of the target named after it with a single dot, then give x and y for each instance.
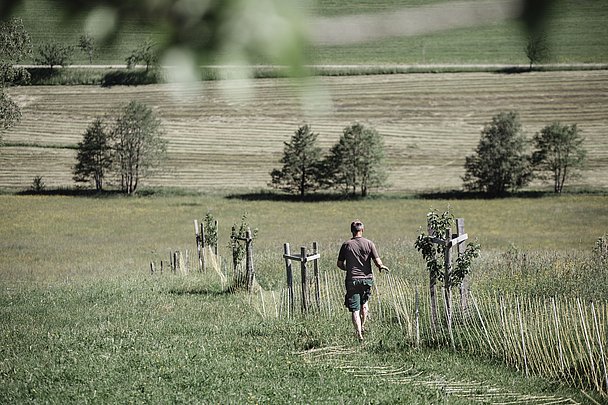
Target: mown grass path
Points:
(230, 134)
(344, 359)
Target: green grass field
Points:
(223, 138)
(84, 321)
(576, 30)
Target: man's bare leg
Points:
(364, 313)
(356, 318)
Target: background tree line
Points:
(355, 164)
(500, 164)
(127, 147)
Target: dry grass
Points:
(220, 139)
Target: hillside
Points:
(577, 33)
(221, 139)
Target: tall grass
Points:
(81, 312)
(559, 337)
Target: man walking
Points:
(355, 257)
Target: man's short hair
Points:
(356, 226)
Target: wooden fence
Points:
(303, 258)
(557, 338)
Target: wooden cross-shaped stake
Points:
(303, 258)
(449, 241)
(249, 270)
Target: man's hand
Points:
(384, 268)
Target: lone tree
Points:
(356, 161)
(138, 144)
(94, 156)
(537, 46)
(559, 151)
(86, 43)
(499, 163)
(146, 53)
(54, 54)
(301, 163)
(537, 49)
(15, 44)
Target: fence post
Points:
(432, 291)
(289, 270)
(315, 250)
(203, 243)
(236, 272)
(249, 259)
(304, 279)
(464, 284)
(217, 237)
(197, 236)
(447, 283)
(417, 312)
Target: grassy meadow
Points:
(576, 33)
(85, 321)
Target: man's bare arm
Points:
(341, 265)
(381, 266)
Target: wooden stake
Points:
(327, 294)
(447, 283)
(289, 270)
(599, 343)
(203, 246)
(483, 325)
(249, 260)
(315, 250)
(464, 284)
(304, 279)
(217, 237)
(198, 245)
(433, 293)
(263, 306)
(557, 333)
(417, 319)
(588, 343)
(523, 340)
(276, 308)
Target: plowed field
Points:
(220, 140)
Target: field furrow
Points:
(225, 134)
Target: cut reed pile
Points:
(557, 338)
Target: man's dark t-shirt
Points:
(358, 254)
